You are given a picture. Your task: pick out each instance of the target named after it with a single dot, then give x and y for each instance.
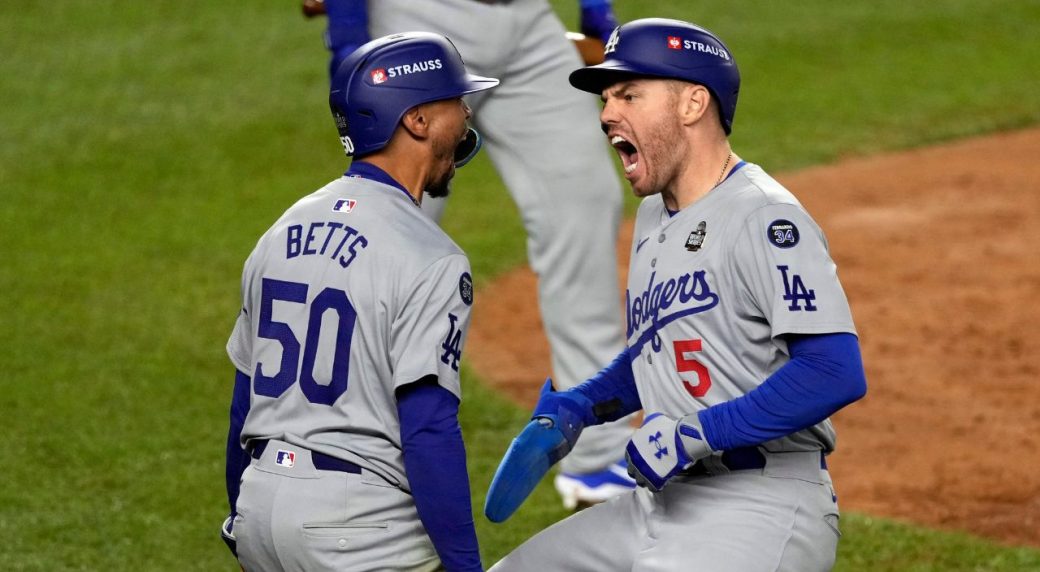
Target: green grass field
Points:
(144, 146)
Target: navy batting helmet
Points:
(379, 82)
(662, 48)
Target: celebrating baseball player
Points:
(344, 451)
(741, 343)
(542, 137)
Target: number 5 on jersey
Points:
(684, 364)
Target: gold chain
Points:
(724, 167)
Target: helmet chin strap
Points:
(468, 148)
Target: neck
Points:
(411, 174)
(702, 172)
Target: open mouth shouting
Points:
(627, 152)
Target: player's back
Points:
(326, 294)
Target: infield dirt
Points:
(936, 249)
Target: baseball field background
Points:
(145, 146)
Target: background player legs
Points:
(541, 135)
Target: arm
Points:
(236, 459)
(347, 30)
(555, 426)
(597, 19)
(825, 373)
(435, 462)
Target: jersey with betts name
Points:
(713, 289)
(352, 293)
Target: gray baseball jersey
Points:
(352, 293)
(543, 138)
(712, 289)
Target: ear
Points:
(416, 122)
(694, 101)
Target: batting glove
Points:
(228, 535)
(664, 446)
(555, 425)
(568, 411)
(597, 19)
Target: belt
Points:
(321, 461)
(741, 459)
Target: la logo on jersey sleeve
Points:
(452, 344)
(783, 233)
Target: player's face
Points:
(448, 130)
(641, 123)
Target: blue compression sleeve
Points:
(237, 459)
(347, 29)
(612, 391)
(825, 373)
(435, 462)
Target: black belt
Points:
(321, 461)
(741, 459)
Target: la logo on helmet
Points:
(612, 42)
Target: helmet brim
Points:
(594, 79)
(475, 83)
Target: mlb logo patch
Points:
(674, 43)
(379, 75)
(286, 458)
(344, 205)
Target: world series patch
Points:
(466, 288)
(782, 233)
(696, 238)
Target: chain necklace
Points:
(725, 166)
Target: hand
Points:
(555, 425)
(664, 446)
(597, 19)
(227, 534)
(568, 411)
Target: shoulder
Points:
(752, 188)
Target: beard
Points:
(667, 152)
(444, 152)
(442, 186)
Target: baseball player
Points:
(542, 137)
(741, 343)
(344, 451)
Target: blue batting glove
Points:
(597, 19)
(664, 446)
(556, 423)
(569, 411)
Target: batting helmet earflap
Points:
(663, 48)
(378, 83)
